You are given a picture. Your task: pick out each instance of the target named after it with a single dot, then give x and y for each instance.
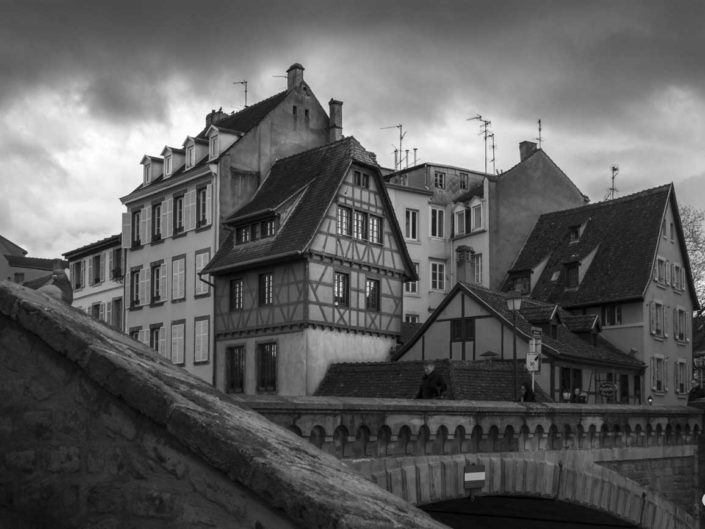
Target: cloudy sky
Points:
(87, 88)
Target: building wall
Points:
(27, 274)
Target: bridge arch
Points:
(563, 476)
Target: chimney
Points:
(335, 123)
(295, 76)
(214, 116)
(526, 149)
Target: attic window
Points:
(574, 233)
(555, 276)
(439, 180)
(242, 234)
(147, 173)
(167, 165)
(463, 180)
(213, 147)
(361, 179)
(190, 156)
(521, 284)
(572, 271)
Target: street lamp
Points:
(514, 304)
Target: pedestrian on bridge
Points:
(432, 384)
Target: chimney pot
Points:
(295, 76)
(526, 149)
(214, 116)
(335, 124)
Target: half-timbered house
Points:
(311, 273)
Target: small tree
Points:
(693, 221)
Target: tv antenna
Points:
(485, 124)
(281, 76)
(401, 138)
(243, 83)
(494, 158)
(612, 190)
(540, 139)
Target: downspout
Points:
(215, 217)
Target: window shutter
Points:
(148, 224)
(652, 318)
(128, 292)
(167, 222)
(144, 336)
(665, 374)
(209, 203)
(665, 321)
(126, 233)
(675, 322)
(161, 347)
(101, 311)
(163, 282)
(144, 286)
(90, 270)
(109, 312)
(143, 225)
(656, 271)
(653, 372)
(682, 278)
(111, 264)
(190, 210)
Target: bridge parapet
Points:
(353, 428)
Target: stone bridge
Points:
(641, 465)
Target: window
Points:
(178, 214)
(411, 318)
(202, 258)
(97, 311)
(375, 231)
(460, 222)
(177, 341)
(202, 206)
(135, 276)
(572, 272)
(656, 318)
(411, 226)
(658, 374)
(97, 265)
(463, 180)
(236, 290)
(136, 218)
(116, 272)
(157, 276)
(116, 317)
(190, 156)
(437, 222)
(660, 270)
(344, 226)
(574, 233)
(156, 222)
(673, 232)
(477, 217)
(571, 379)
(242, 234)
(267, 228)
(213, 146)
(157, 339)
(361, 179)
(200, 331)
(360, 225)
(438, 276)
(680, 377)
(135, 333)
(76, 275)
(680, 332)
(267, 368)
(612, 314)
(341, 289)
(167, 165)
(521, 283)
(265, 289)
(178, 278)
(462, 330)
(476, 268)
(235, 369)
(372, 296)
(412, 287)
(439, 180)
(147, 172)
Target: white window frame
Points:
(213, 147)
(476, 210)
(201, 260)
(436, 228)
(476, 267)
(412, 318)
(201, 334)
(680, 377)
(178, 332)
(459, 218)
(190, 156)
(411, 224)
(464, 178)
(167, 164)
(439, 180)
(658, 373)
(437, 279)
(412, 287)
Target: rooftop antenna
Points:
(540, 139)
(415, 149)
(282, 76)
(494, 158)
(485, 124)
(612, 190)
(243, 83)
(401, 137)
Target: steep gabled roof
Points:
(566, 345)
(248, 117)
(466, 380)
(310, 180)
(10, 248)
(623, 234)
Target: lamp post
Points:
(514, 304)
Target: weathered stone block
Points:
(36, 425)
(105, 499)
(64, 459)
(152, 504)
(118, 422)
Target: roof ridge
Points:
(319, 148)
(249, 108)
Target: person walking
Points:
(432, 384)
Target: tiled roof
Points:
(567, 344)
(536, 313)
(580, 322)
(20, 261)
(312, 178)
(10, 247)
(624, 232)
(113, 240)
(466, 380)
(248, 117)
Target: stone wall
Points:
(96, 431)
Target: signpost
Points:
(474, 477)
(533, 357)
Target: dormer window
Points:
(167, 165)
(190, 156)
(574, 233)
(572, 274)
(521, 283)
(147, 173)
(213, 147)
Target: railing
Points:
(351, 428)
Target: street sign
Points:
(607, 389)
(533, 362)
(474, 476)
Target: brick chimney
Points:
(526, 149)
(335, 121)
(214, 116)
(295, 76)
